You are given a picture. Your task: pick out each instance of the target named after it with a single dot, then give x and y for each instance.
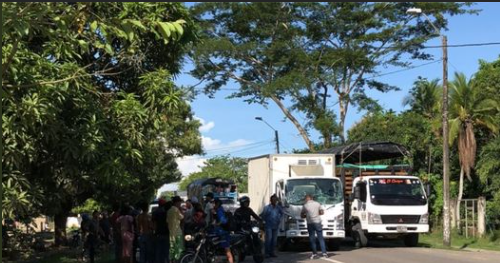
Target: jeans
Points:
(91, 244)
(271, 240)
(146, 248)
(162, 248)
(316, 229)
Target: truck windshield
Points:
(325, 191)
(397, 191)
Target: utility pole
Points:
(446, 150)
(276, 138)
(446, 147)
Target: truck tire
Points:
(334, 245)
(360, 239)
(411, 240)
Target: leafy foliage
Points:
(226, 167)
(299, 55)
(89, 106)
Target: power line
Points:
(402, 70)
(467, 45)
(236, 146)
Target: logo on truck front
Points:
(400, 220)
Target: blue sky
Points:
(229, 126)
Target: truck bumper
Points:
(398, 229)
(327, 234)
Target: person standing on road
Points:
(94, 230)
(126, 223)
(117, 239)
(272, 215)
(312, 211)
(161, 233)
(174, 219)
(145, 231)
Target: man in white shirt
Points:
(312, 211)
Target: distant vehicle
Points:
(223, 189)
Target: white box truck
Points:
(291, 177)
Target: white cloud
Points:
(205, 126)
(190, 164)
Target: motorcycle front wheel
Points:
(191, 258)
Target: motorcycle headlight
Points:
(374, 218)
(255, 229)
(424, 219)
(188, 238)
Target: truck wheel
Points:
(334, 245)
(411, 240)
(359, 237)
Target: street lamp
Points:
(276, 138)
(446, 148)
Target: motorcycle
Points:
(253, 242)
(203, 247)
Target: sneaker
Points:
(313, 256)
(324, 255)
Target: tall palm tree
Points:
(425, 97)
(468, 110)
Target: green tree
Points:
(89, 106)
(469, 108)
(298, 55)
(226, 167)
(425, 100)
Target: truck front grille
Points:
(400, 219)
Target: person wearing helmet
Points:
(243, 215)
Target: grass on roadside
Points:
(435, 240)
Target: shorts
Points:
(225, 238)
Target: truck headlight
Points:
(374, 218)
(424, 219)
(291, 222)
(339, 222)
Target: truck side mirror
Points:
(428, 189)
(360, 191)
(357, 193)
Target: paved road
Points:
(383, 253)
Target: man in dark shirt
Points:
(243, 215)
(162, 244)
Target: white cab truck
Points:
(388, 206)
(291, 177)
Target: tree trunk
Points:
(60, 228)
(459, 199)
(343, 113)
(295, 122)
